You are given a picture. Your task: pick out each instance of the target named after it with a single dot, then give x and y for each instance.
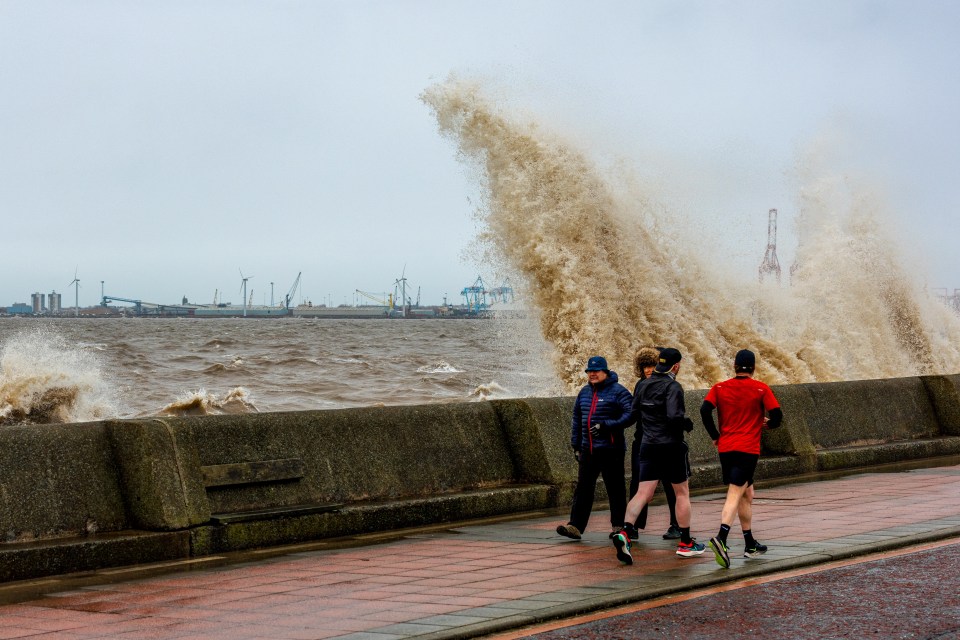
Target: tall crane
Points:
(293, 290)
(770, 265)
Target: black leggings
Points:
(604, 462)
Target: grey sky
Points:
(162, 146)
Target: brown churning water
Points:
(593, 262)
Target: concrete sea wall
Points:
(86, 496)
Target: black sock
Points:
(685, 535)
(748, 540)
(724, 530)
(631, 530)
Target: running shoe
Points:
(721, 551)
(690, 549)
(569, 531)
(754, 550)
(673, 533)
(622, 542)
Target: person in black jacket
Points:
(602, 411)
(659, 409)
(644, 363)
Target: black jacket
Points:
(659, 410)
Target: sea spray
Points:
(607, 279)
(45, 379)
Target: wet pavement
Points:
(913, 595)
(479, 579)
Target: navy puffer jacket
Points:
(608, 404)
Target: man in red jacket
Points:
(741, 403)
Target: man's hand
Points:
(687, 424)
(576, 454)
(598, 429)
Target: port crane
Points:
(388, 302)
(475, 296)
(293, 290)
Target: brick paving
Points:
(479, 579)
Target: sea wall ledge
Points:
(88, 496)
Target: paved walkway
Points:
(481, 579)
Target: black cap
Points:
(668, 358)
(745, 361)
(597, 363)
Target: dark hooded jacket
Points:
(607, 404)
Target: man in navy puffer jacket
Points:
(601, 413)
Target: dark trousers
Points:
(609, 464)
(668, 491)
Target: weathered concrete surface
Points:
(27, 560)
(158, 472)
(58, 480)
(944, 395)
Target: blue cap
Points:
(597, 363)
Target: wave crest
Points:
(205, 403)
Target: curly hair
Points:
(646, 357)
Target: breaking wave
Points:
(205, 403)
(44, 379)
(594, 258)
(439, 367)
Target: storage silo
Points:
(39, 302)
(54, 302)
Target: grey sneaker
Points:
(673, 533)
(569, 531)
(721, 552)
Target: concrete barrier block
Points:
(944, 394)
(793, 435)
(57, 557)
(56, 481)
(348, 455)
(870, 412)
(538, 433)
(162, 483)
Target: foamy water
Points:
(45, 378)
(590, 253)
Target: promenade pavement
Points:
(478, 579)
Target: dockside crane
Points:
(475, 296)
(293, 290)
(387, 302)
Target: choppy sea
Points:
(67, 370)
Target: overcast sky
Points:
(161, 147)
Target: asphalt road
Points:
(915, 595)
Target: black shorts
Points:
(666, 462)
(738, 467)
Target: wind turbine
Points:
(244, 289)
(402, 283)
(75, 283)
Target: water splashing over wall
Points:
(601, 272)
